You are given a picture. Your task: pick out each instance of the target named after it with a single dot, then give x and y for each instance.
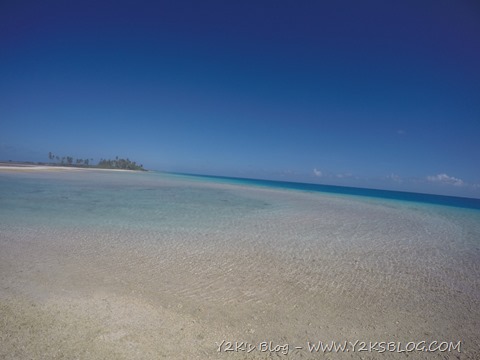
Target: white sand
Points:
(28, 168)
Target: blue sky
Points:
(382, 94)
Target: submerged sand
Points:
(307, 268)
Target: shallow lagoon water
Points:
(152, 265)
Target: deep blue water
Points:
(454, 201)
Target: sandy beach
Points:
(11, 167)
(155, 267)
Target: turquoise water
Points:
(169, 200)
(454, 201)
(288, 219)
(117, 199)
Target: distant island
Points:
(117, 163)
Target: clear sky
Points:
(382, 94)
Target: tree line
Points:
(117, 163)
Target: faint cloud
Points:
(445, 179)
(287, 173)
(344, 175)
(317, 172)
(401, 132)
(394, 177)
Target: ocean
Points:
(100, 264)
(463, 202)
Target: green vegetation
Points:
(118, 163)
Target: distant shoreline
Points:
(26, 166)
